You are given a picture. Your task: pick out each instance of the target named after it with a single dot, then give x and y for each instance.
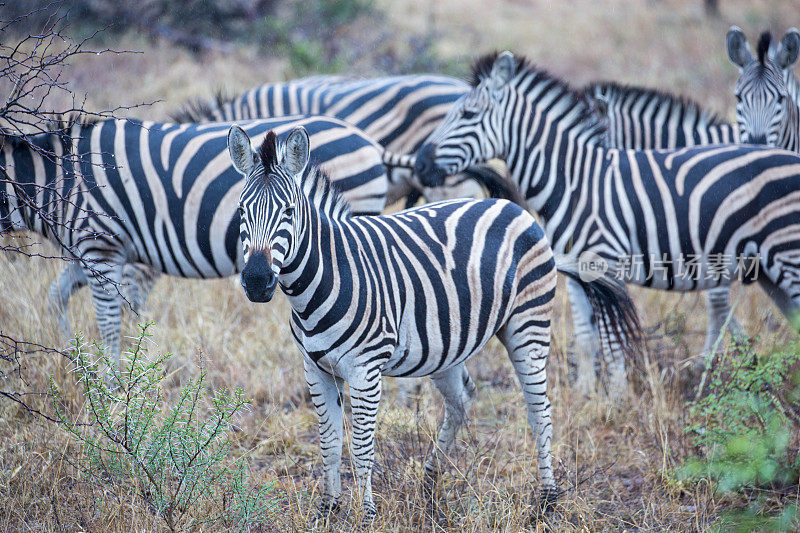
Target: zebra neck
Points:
(551, 163)
(551, 135)
(792, 85)
(314, 266)
(790, 127)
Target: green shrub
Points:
(175, 456)
(746, 430)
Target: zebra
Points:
(767, 92)
(397, 111)
(639, 118)
(723, 210)
(159, 196)
(416, 293)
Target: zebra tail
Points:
(612, 307)
(497, 185)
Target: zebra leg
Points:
(326, 393)
(69, 280)
(365, 396)
(613, 349)
(407, 389)
(138, 280)
(526, 337)
(104, 279)
(718, 305)
(787, 301)
(586, 336)
(459, 391)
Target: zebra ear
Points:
(242, 154)
(297, 151)
(788, 49)
(738, 47)
(503, 70)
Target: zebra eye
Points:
(241, 211)
(469, 114)
(289, 210)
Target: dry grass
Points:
(614, 458)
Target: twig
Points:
(715, 347)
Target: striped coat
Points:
(162, 195)
(411, 294)
(638, 118)
(688, 219)
(399, 112)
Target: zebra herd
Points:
(631, 185)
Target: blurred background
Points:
(193, 47)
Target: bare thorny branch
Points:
(36, 99)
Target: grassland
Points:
(615, 456)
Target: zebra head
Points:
(267, 205)
(762, 100)
(472, 131)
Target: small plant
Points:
(174, 457)
(746, 429)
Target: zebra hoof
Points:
(370, 512)
(327, 507)
(547, 500)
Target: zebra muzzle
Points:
(426, 169)
(258, 279)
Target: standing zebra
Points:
(767, 91)
(638, 118)
(399, 112)
(411, 294)
(687, 219)
(161, 196)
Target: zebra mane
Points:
(64, 123)
(324, 194)
(59, 125)
(482, 68)
(764, 42)
(316, 185)
(201, 109)
(623, 91)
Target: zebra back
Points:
(166, 194)
(397, 111)
(639, 118)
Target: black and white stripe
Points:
(638, 118)
(767, 92)
(162, 197)
(608, 204)
(399, 112)
(411, 294)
